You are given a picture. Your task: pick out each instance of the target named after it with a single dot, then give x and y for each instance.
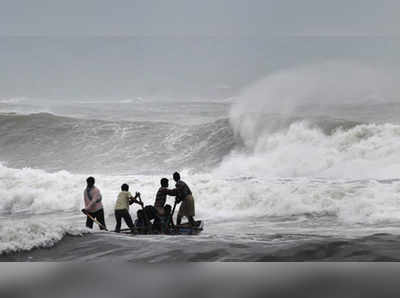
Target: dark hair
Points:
(125, 187)
(164, 182)
(176, 176)
(90, 181)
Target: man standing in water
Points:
(184, 194)
(125, 199)
(93, 204)
(161, 197)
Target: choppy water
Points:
(268, 178)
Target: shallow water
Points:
(301, 165)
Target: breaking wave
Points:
(45, 206)
(262, 145)
(332, 120)
(367, 151)
(28, 234)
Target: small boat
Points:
(183, 229)
(163, 227)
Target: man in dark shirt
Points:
(184, 194)
(161, 196)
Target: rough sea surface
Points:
(299, 166)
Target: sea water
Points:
(304, 161)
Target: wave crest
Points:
(56, 143)
(304, 150)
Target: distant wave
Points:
(304, 150)
(59, 143)
(337, 119)
(13, 100)
(270, 145)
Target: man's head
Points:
(124, 187)
(164, 182)
(176, 176)
(90, 181)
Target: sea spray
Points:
(363, 152)
(317, 121)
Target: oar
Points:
(95, 220)
(171, 217)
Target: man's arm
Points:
(172, 192)
(135, 200)
(175, 193)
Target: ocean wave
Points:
(39, 208)
(29, 234)
(13, 100)
(253, 145)
(30, 192)
(33, 208)
(36, 191)
(367, 151)
(55, 143)
(333, 120)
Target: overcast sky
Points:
(204, 17)
(210, 61)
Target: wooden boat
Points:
(183, 229)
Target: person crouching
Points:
(125, 199)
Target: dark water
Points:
(280, 247)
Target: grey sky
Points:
(206, 17)
(221, 46)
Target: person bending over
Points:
(125, 199)
(93, 205)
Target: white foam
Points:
(363, 152)
(303, 150)
(347, 202)
(13, 100)
(37, 191)
(29, 234)
(30, 198)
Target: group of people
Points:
(160, 212)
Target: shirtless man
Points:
(161, 196)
